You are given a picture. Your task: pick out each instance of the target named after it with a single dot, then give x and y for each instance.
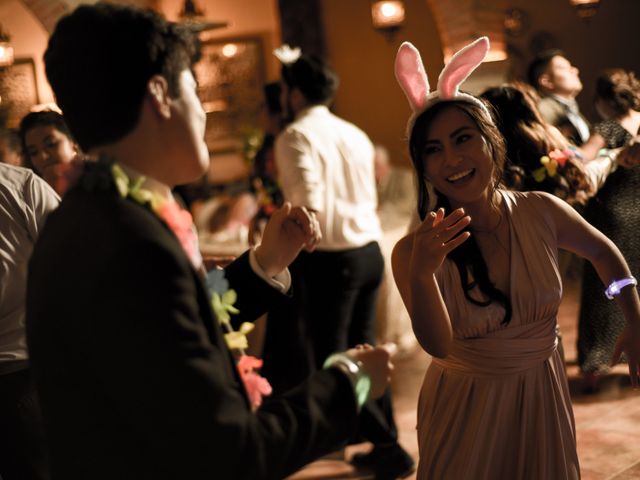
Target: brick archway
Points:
(461, 21)
(47, 11)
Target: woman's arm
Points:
(579, 237)
(592, 146)
(598, 169)
(414, 260)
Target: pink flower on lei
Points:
(256, 386)
(181, 223)
(561, 156)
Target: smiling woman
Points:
(482, 287)
(48, 146)
(459, 149)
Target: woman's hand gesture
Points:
(629, 343)
(436, 236)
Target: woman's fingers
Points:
(450, 232)
(453, 217)
(438, 220)
(456, 242)
(427, 223)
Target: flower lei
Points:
(222, 297)
(268, 194)
(550, 163)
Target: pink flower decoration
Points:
(561, 156)
(256, 386)
(181, 223)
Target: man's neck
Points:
(566, 97)
(140, 151)
(132, 157)
(308, 107)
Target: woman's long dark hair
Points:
(620, 89)
(467, 257)
(528, 138)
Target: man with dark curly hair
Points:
(130, 360)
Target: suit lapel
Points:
(207, 315)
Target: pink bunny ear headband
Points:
(413, 80)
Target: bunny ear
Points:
(411, 75)
(460, 67)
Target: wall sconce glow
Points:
(6, 50)
(6, 54)
(585, 8)
(496, 55)
(229, 50)
(387, 14)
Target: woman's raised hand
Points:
(436, 236)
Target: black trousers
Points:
(22, 445)
(339, 311)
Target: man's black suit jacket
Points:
(133, 373)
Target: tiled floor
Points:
(607, 422)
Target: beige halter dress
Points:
(498, 406)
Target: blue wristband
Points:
(614, 287)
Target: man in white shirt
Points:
(25, 202)
(326, 164)
(559, 82)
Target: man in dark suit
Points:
(130, 361)
(558, 82)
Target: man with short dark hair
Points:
(553, 75)
(132, 365)
(326, 165)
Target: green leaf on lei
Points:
(539, 174)
(238, 339)
(121, 180)
(223, 305)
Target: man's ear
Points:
(545, 82)
(158, 92)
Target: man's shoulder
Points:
(18, 179)
(24, 195)
(98, 219)
(551, 109)
(13, 175)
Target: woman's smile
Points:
(462, 177)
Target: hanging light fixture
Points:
(193, 17)
(585, 8)
(6, 50)
(387, 15)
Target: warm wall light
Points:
(230, 50)
(387, 14)
(585, 8)
(6, 50)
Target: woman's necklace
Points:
(494, 232)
